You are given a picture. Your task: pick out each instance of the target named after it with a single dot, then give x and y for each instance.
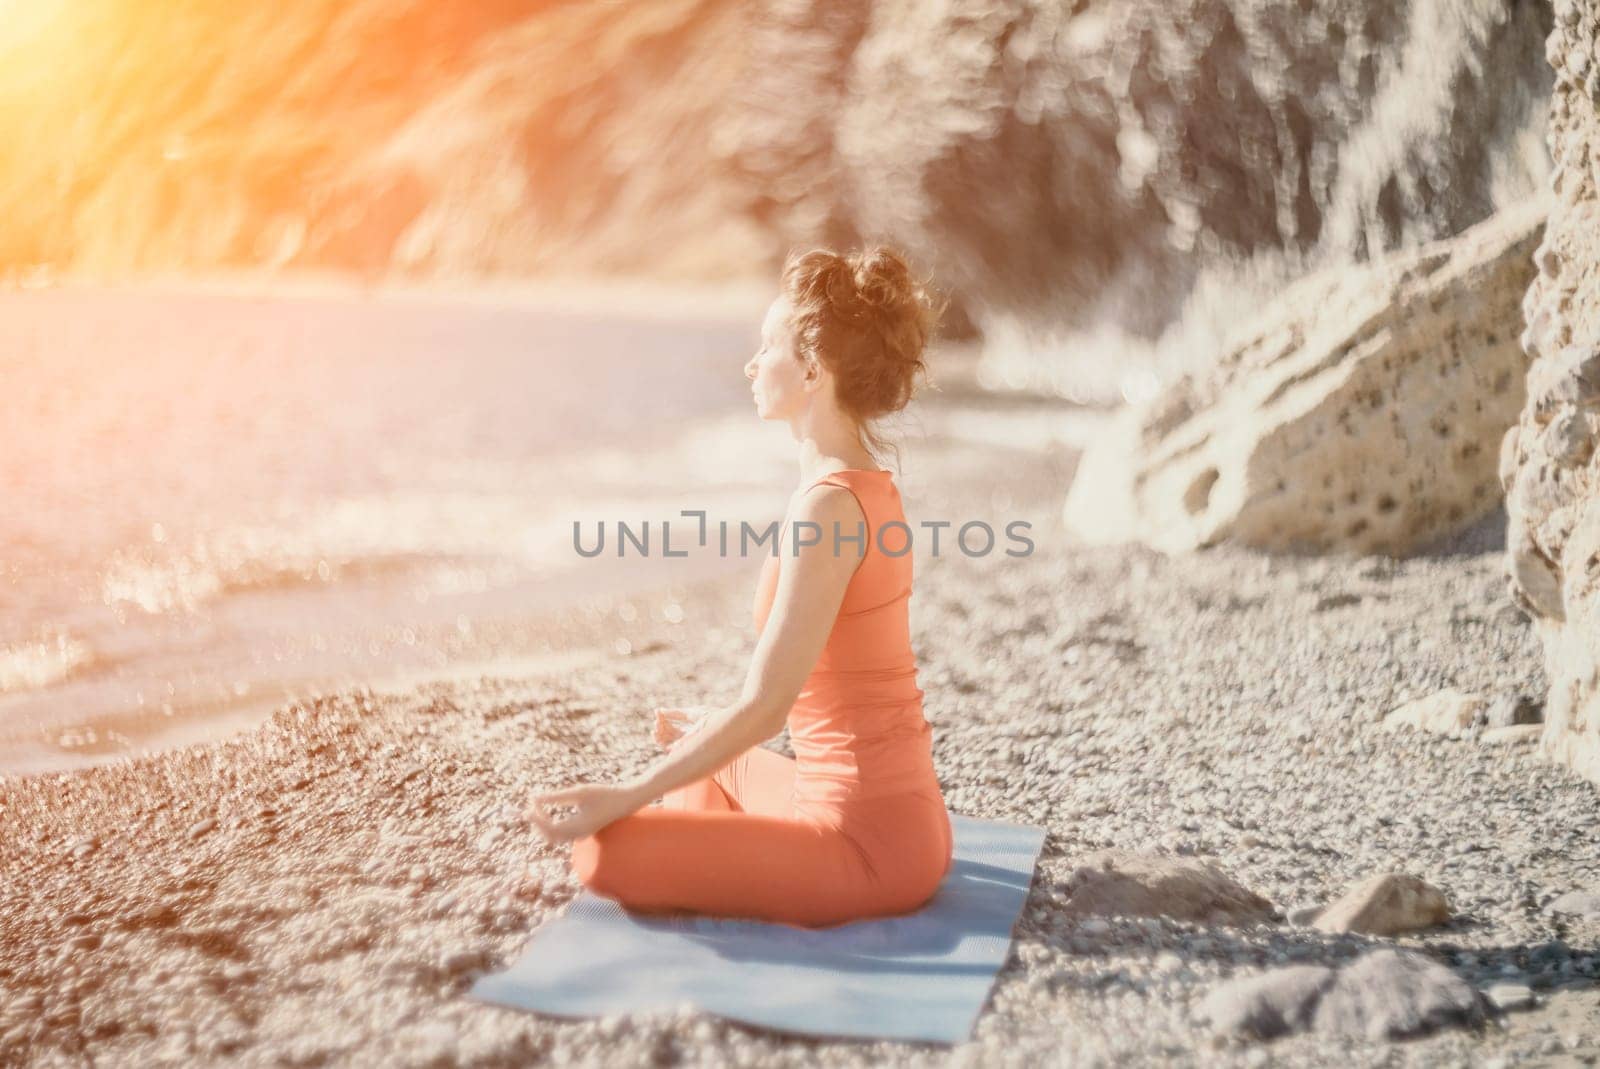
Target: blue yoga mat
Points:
(921, 976)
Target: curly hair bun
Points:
(867, 319)
(882, 278)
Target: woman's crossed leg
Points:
(758, 781)
(730, 845)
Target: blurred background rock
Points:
(1103, 186)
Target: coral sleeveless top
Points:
(857, 727)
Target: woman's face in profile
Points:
(776, 374)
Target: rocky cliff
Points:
(1065, 162)
(1549, 464)
(1056, 163)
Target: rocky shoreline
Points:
(323, 890)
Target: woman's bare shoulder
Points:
(824, 502)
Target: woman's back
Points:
(857, 727)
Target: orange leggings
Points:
(739, 844)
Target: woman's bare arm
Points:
(811, 587)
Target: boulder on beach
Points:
(1357, 413)
(1384, 994)
(1119, 883)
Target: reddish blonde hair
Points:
(867, 320)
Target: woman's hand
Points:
(674, 724)
(594, 806)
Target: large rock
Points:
(1356, 414)
(1118, 883)
(1550, 466)
(1067, 162)
(1384, 994)
(1393, 994)
(1056, 161)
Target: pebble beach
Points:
(327, 332)
(324, 888)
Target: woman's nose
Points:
(750, 369)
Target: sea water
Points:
(214, 502)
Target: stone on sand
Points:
(1119, 883)
(1384, 994)
(1513, 735)
(1386, 904)
(1511, 996)
(1578, 904)
(1449, 712)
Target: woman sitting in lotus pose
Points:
(855, 825)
